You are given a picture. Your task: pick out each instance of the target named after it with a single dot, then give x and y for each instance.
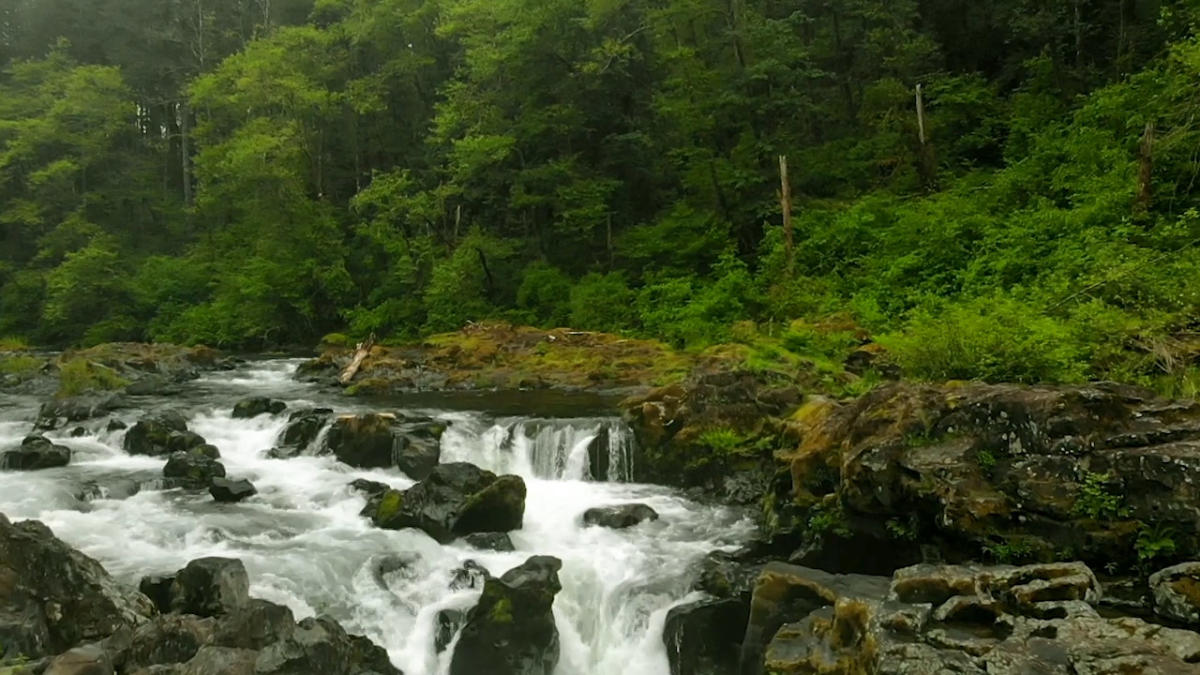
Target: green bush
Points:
(78, 375)
(602, 302)
(545, 292)
(994, 339)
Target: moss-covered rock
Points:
(454, 500)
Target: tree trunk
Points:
(185, 152)
(927, 165)
(785, 204)
(1145, 169)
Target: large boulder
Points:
(704, 637)
(58, 411)
(152, 435)
(303, 428)
(254, 625)
(231, 491)
(1176, 592)
(490, 541)
(378, 440)
(210, 587)
(169, 638)
(511, 630)
(321, 645)
(454, 500)
(257, 405)
(35, 452)
(193, 470)
(620, 516)
(947, 618)
(1010, 472)
(53, 597)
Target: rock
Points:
(35, 452)
(728, 575)
(193, 470)
(511, 630)
(470, 575)
(77, 432)
(183, 441)
(254, 625)
(257, 405)
(490, 541)
(620, 516)
(456, 499)
(303, 427)
(210, 587)
(158, 589)
(1029, 471)
(231, 491)
(705, 637)
(1176, 591)
(449, 622)
(53, 597)
(115, 425)
(369, 488)
(952, 618)
(152, 434)
(381, 440)
(170, 638)
(212, 660)
(152, 384)
(321, 645)
(89, 659)
(112, 488)
(75, 409)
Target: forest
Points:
(251, 174)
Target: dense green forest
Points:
(251, 173)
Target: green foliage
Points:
(602, 302)
(13, 344)
(78, 376)
(987, 462)
(723, 440)
(1154, 544)
(901, 529)
(20, 365)
(828, 518)
(1010, 550)
(1097, 500)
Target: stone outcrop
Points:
(1176, 593)
(158, 434)
(1008, 472)
(950, 618)
(454, 500)
(231, 491)
(511, 630)
(303, 428)
(194, 469)
(257, 405)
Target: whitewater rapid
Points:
(305, 546)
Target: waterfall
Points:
(586, 448)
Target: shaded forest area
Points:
(251, 173)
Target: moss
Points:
(502, 611)
(13, 344)
(336, 340)
(389, 506)
(22, 366)
(79, 375)
(369, 387)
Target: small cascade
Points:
(590, 448)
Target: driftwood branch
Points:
(361, 351)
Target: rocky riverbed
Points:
(209, 515)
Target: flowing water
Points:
(305, 546)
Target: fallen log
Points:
(361, 351)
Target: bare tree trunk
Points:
(1145, 170)
(927, 162)
(785, 204)
(185, 151)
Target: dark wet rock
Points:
(511, 630)
(705, 637)
(449, 622)
(186, 440)
(78, 432)
(490, 541)
(57, 411)
(470, 575)
(369, 488)
(303, 427)
(153, 433)
(948, 618)
(166, 639)
(153, 384)
(378, 440)
(620, 516)
(456, 499)
(254, 625)
(35, 452)
(210, 587)
(53, 597)
(158, 589)
(108, 488)
(231, 491)
(321, 645)
(115, 425)
(257, 405)
(728, 575)
(1176, 592)
(391, 567)
(192, 470)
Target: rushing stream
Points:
(304, 544)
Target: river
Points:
(305, 546)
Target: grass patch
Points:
(79, 375)
(13, 344)
(22, 366)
